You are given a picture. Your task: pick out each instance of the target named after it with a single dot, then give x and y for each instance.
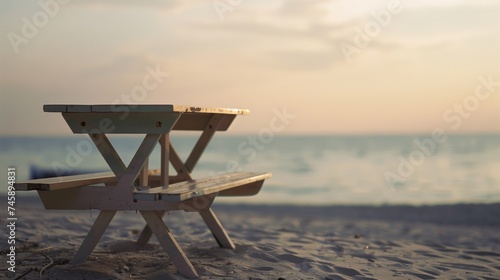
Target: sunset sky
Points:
(338, 66)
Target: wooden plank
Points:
(138, 161)
(165, 159)
(109, 108)
(155, 180)
(155, 108)
(202, 142)
(78, 108)
(245, 190)
(218, 182)
(146, 232)
(97, 121)
(144, 175)
(168, 242)
(200, 187)
(178, 164)
(164, 181)
(64, 182)
(121, 123)
(55, 108)
(197, 122)
(133, 108)
(109, 153)
(191, 109)
(113, 198)
(93, 237)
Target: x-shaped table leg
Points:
(126, 175)
(93, 237)
(153, 219)
(184, 170)
(168, 242)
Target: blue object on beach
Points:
(37, 172)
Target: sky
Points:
(329, 66)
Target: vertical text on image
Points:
(11, 218)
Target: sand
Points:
(273, 242)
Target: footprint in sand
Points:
(347, 271)
(263, 268)
(291, 258)
(420, 275)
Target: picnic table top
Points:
(143, 118)
(139, 108)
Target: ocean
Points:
(307, 170)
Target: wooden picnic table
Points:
(134, 186)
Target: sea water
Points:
(309, 170)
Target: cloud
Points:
(447, 4)
(151, 4)
(300, 8)
(304, 60)
(297, 36)
(420, 26)
(125, 65)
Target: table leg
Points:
(217, 229)
(173, 157)
(202, 142)
(109, 153)
(184, 169)
(143, 175)
(147, 233)
(137, 163)
(165, 156)
(178, 164)
(168, 242)
(95, 233)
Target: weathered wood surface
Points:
(158, 192)
(168, 242)
(200, 187)
(142, 108)
(217, 229)
(64, 182)
(121, 123)
(114, 198)
(98, 119)
(95, 234)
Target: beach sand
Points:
(273, 242)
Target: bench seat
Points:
(73, 181)
(65, 182)
(229, 184)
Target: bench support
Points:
(164, 181)
(168, 154)
(210, 219)
(147, 233)
(95, 233)
(217, 229)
